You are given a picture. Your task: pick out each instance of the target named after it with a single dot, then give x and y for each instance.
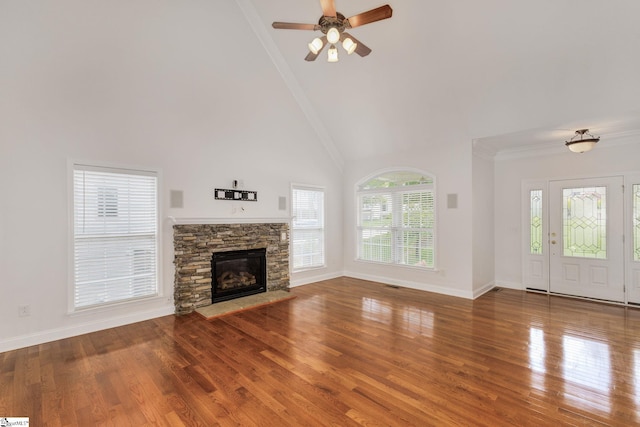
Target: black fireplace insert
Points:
(237, 274)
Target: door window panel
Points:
(584, 220)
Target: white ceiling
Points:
(500, 74)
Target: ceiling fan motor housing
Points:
(338, 22)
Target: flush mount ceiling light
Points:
(580, 144)
(333, 25)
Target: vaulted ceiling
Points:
(493, 74)
(504, 73)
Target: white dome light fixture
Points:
(582, 145)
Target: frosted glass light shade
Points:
(349, 45)
(333, 35)
(332, 54)
(582, 146)
(315, 46)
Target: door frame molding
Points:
(540, 282)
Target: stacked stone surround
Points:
(194, 245)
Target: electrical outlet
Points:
(24, 310)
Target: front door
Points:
(586, 238)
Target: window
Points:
(396, 219)
(115, 235)
(636, 222)
(307, 231)
(535, 222)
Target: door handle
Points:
(553, 242)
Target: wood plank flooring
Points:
(345, 352)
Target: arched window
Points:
(396, 218)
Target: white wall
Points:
(619, 157)
(483, 226)
(450, 162)
(146, 84)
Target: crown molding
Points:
(483, 152)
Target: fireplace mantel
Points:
(235, 220)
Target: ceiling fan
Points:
(333, 25)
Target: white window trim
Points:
(99, 165)
(358, 193)
(324, 226)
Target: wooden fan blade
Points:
(328, 7)
(361, 49)
(294, 26)
(312, 56)
(373, 15)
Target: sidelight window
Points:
(535, 222)
(636, 222)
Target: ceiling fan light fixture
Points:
(315, 46)
(333, 24)
(332, 54)
(582, 144)
(349, 45)
(333, 35)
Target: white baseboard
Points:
(312, 279)
(483, 290)
(509, 285)
(412, 285)
(84, 328)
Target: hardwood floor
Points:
(345, 352)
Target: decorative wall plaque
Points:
(238, 195)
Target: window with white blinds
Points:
(115, 234)
(307, 231)
(396, 219)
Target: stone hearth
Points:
(194, 245)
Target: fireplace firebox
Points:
(237, 274)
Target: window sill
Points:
(389, 264)
(302, 270)
(115, 305)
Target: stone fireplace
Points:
(195, 245)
